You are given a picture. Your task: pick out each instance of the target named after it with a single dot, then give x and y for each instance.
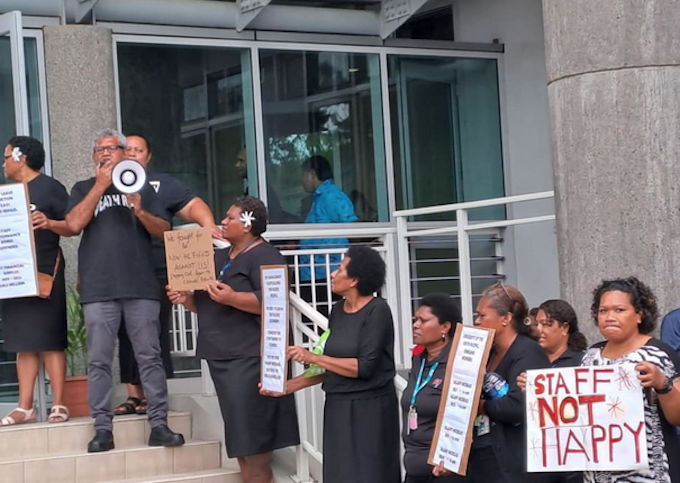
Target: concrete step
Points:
(115, 465)
(44, 439)
(211, 476)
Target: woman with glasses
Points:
(564, 345)
(35, 326)
(498, 451)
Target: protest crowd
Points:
(525, 389)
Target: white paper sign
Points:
(274, 327)
(18, 276)
(460, 398)
(585, 418)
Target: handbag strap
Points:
(56, 264)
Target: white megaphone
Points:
(129, 176)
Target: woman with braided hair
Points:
(626, 312)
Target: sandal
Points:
(142, 407)
(128, 407)
(58, 414)
(29, 417)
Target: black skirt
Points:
(253, 424)
(32, 324)
(361, 437)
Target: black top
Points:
(114, 257)
(506, 414)
(367, 335)
(50, 197)
(225, 332)
(174, 195)
(417, 442)
(569, 358)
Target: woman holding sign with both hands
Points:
(361, 416)
(625, 311)
(229, 339)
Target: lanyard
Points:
(229, 260)
(419, 386)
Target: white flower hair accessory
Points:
(16, 154)
(247, 218)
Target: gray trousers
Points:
(102, 320)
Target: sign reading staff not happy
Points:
(585, 418)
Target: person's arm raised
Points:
(82, 213)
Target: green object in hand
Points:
(314, 369)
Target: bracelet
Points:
(667, 387)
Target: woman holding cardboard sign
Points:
(433, 328)
(37, 325)
(361, 416)
(229, 339)
(626, 312)
(498, 451)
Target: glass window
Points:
(195, 106)
(446, 132)
(323, 104)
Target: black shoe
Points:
(164, 436)
(102, 441)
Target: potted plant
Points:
(75, 389)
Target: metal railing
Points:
(462, 229)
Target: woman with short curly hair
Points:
(626, 312)
(361, 416)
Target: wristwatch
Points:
(667, 387)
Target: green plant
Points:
(76, 352)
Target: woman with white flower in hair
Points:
(229, 339)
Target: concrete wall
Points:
(531, 251)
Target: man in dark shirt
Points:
(176, 199)
(116, 278)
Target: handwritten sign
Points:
(189, 258)
(274, 370)
(585, 418)
(460, 398)
(18, 272)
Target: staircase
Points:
(57, 453)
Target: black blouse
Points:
(226, 333)
(48, 196)
(367, 335)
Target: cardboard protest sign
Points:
(585, 418)
(189, 256)
(274, 370)
(460, 398)
(18, 268)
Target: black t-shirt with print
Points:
(174, 195)
(114, 257)
(48, 196)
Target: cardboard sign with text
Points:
(189, 256)
(460, 398)
(18, 268)
(275, 310)
(585, 418)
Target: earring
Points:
(443, 336)
(505, 324)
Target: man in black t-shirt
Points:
(116, 278)
(176, 199)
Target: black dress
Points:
(32, 324)
(229, 340)
(361, 418)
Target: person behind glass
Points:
(564, 345)
(498, 451)
(229, 340)
(176, 200)
(34, 326)
(361, 415)
(116, 280)
(329, 205)
(625, 312)
(433, 328)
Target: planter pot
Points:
(75, 396)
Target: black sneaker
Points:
(164, 436)
(102, 441)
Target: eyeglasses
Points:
(108, 149)
(546, 322)
(502, 285)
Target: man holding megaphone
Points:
(117, 278)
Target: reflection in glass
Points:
(325, 104)
(446, 131)
(195, 106)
